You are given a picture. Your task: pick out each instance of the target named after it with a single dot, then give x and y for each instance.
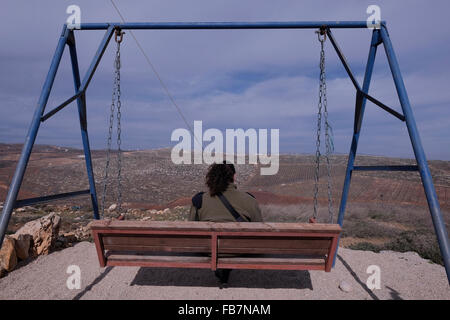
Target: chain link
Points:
(115, 104)
(318, 132)
(323, 113)
(119, 129)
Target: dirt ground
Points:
(402, 276)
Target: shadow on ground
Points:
(93, 283)
(266, 279)
(357, 279)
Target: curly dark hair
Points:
(219, 176)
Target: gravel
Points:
(402, 276)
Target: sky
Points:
(261, 79)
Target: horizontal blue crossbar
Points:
(30, 201)
(228, 25)
(386, 168)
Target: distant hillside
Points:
(150, 178)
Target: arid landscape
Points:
(385, 210)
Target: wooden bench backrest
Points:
(215, 239)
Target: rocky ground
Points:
(61, 229)
(402, 276)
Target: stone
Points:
(44, 232)
(83, 233)
(8, 257)
(70, 237)
(66, 240)
(22, 245)
(112, 207)
(345, 286)
(61, 242)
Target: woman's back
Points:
(224, 202)
(212, 208)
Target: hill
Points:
(386, 210)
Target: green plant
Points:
(424, 244)
(366, 246)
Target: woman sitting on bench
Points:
(224, 203)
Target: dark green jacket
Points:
(213, 209)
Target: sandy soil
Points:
(403, 276)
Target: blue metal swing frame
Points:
(379, 36)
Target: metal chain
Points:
(115, 102)
(319, 128)
(328, 140)
(323, 112)
(119, 129)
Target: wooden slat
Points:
(169, 243)
(137, 248)
(272, 261)
(151, 240)
(277, 227)
(256, 266)
(157, 258)
(156, 240)
(305, 251)
(156, 264)
(274, 245)
(274, 242)
(200, 226)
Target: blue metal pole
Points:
(81, 102)
(227, 25)
(359, 113)
(427, 181)
(31, 136)
(96, 60)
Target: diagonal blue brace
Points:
(96, 60)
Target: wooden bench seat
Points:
(213, 245)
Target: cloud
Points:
(229, 79)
